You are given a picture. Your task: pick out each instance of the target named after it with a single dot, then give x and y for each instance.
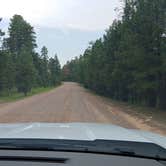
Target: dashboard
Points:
(55, 158)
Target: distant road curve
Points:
(69, 103)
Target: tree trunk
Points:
(162, 95)
(152, 98)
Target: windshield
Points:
(86, 70)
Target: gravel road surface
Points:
(69, 103)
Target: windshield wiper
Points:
(34, 159)
(123, 148)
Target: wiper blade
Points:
(124, 148)
(125, 151)
(34, 159)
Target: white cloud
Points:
(33, 11)
(77, 14)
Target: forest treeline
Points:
(21, 67)
(129, 62)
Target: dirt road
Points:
(70, 103)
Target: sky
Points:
(65, 27)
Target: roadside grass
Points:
(17, 96)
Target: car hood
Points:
(78, 131)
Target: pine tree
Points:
(21, 43)
(44, 67)
(21, 34)
(55, 71)
(26, 71)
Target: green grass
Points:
(17, 96)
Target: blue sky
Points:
(64, 26)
